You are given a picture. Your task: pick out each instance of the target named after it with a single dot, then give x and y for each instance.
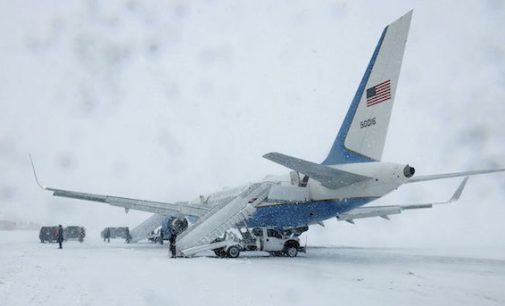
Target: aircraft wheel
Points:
(233, 251)
(220, 252)
(291, 251)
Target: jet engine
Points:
(408, 171)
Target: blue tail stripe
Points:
(339, 154)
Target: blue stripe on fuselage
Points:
(300, 214)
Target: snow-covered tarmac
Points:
(94, 273)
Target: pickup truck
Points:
(273, 241)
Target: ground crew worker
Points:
(107, 235)
(173, 238)
(128, 236)
(59, 238)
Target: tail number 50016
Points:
(367, 123)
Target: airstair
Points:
(142, 231)
(199, 237)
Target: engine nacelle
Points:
(409, 171)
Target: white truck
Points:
(273, 241)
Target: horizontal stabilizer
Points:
(327, 176)
(451, 175)
(385, 211)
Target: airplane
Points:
(351, 176)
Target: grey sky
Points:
(169, 101)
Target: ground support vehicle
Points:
(48, 234)
(74, 233)
(117, 232)
(274, 241)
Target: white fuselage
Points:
(384, 178)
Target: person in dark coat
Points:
(59, 238)
(106, 236)
(173, 239)
(82, 234)
(128, 236)
(161, 235)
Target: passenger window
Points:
(258, 232)
(273, 233)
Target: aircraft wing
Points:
(162, 208)
(328, 177)
(385, 211)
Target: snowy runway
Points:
(95, 273)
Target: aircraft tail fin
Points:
(363, 133)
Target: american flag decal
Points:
(378, 93)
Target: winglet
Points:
(459, 191)
(35, 174)
(454, 198)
